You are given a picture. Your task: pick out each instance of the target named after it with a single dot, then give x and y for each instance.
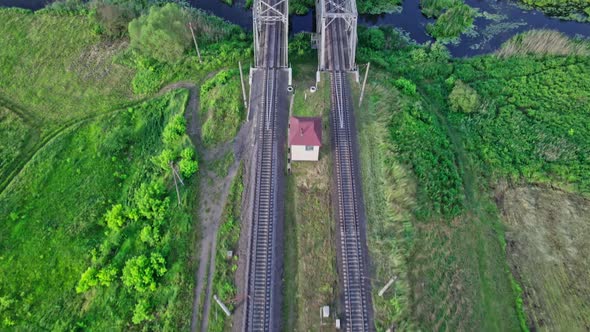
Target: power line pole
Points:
(190, 25)
(364, 83)
(243, 86)
(175, 184)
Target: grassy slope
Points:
(52, 228)
(309, 227)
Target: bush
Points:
(106, 276)
(463, 98)
(114, 18)
(141, 313)
(406, 86)
(188, 165)
(151, 201)
(115, 217)
(87, 280)
(174, 130)
(140, 273)
(161, 34)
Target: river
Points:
(497, 21)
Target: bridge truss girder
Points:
(266, 13)
(330, 12)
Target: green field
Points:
(92, 234)
(437, 136)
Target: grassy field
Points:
(53, 232)
(92, 236)
(309, 226)
(547, 251)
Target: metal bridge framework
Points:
(266, 13)
(330, 12)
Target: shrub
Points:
(141, 313)
(150, 200)
(463, 98)
(406, 86)
(161, 34)
(106, 276)
(188, 165)
(115, 217)
(114, 18)
(87, 280)
(140, 273)
(174, 130)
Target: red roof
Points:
(305, 131)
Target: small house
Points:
(305, 138)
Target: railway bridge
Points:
(337, 35)
(270, 77)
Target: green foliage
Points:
(378, 6)
(569, 9)
(174, 130)
(435, 8)
(87, 280)
(115, 217)
(300, 45)
(188, 164)
(463, 98)
(151, 200)
(452, 23)
(107, 275)
(433, 162)
(162, 34)
(141, 313)
(113, 18)
(221, 107)
(300, 7)
(141, 272)
(13, 135)
(406, 86)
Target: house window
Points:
(308, 148)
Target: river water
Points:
(497, 21)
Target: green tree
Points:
(463, 98)
(188, 164)
(150, 200)
(140, 272)
(115, 217)
(375, 38)
(174, 130)
(106, 276)
(162, 34)
(406, 86)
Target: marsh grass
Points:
(542, 42)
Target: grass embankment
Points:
(457, 127)
(224, 286)
(454, 17)
(310, 277)
(50, 237)
(222, 109)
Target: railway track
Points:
(350, 215)
(261, 270)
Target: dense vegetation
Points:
(222, 109)
(578, 10)
(459, 126)
(98, 203)
(453, 17)
(302, 7)
(93, 235)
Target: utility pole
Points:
(364, 83)
(190, 25)
(243, 86)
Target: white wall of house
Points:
(299, 152)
